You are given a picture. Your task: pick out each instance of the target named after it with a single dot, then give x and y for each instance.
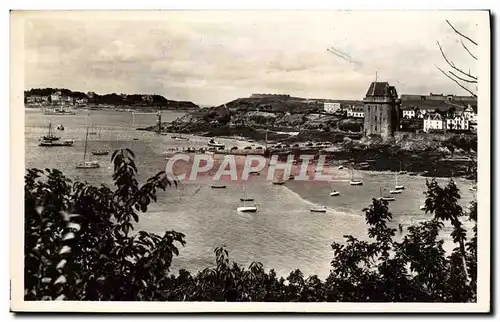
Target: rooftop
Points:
(378, 89)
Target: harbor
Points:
(284, 211)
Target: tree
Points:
(79, 243)
(461, 77)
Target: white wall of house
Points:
(457, 123)
(331, 107)
(433, 122)
(355, 113)
(409, 114)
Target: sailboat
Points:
(87, 164)
(397, 188)
(50, 140)
(245, 197)
(385, 198)
(355, 182)
(334, 192)
(50, 136)
(102, 151)
(92, 132)
(244, 207)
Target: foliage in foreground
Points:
(80, 245)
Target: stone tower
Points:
(382, 110)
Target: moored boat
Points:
(100, 152)
(85, 164)
(318, 209)
(247, 209)
(355, 182)
(215, 144)
(56, 143)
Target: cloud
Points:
(214, 57)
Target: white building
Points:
(457, 122)
(470, 114)
(434, 121)
(331, 107)
(409, 112)
(356, 111)
(55, 97)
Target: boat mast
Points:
(85, 150)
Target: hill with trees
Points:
(114, 99)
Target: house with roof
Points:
(457, 121)
(470, 113)
(56, 97)
(434, 121)
(410, 112)
(356, 111)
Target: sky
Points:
(212, 57)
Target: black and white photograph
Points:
(186, 160)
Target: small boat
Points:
(341, 167)
(92, 132)
(179, 138)
(84, 164)
(100, 152)
(244, 208)
(56, 143)
(215, 144)
(385, 198)
(395, 192)
(60, 127)
(422, 207)
(318, 209)
(398, 186)
(333, 192)
(247, 209)
(135, 139)
(355, 182)
(88, 165)
(218, 186)
(50, 136)
(255, 173)
(279, 182)
(473, 187)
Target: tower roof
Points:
(378, 89)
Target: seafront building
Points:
(382, 111)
